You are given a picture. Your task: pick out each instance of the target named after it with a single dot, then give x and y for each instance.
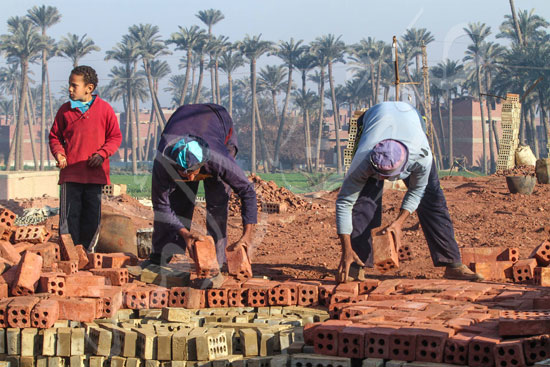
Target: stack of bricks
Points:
(352, 138)
(510, 121)
(114, 190)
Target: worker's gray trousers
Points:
(433, 215)
(182, 202)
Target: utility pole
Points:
(395, 59)
(427, 98)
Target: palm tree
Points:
(210, 17)
(43, 17)
(478, 32)
(306, 101)
(149, 46)
(74, 47)
(229, 62)
(448, 75)
(527, 28)
(319, 77)
(186, 40)
(24, 43)
(252, 48)
(201, 47)
(215, 48)
(333, 49)
(288, 51)
(159, 70)
(272, 79)
(416, 37)
(175, 87)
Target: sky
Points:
(105, 21)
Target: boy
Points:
(84, 135)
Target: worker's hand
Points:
(190, 239)
(61, 160)
(396, 229)
(348, 257)
(245, 240)
(95, 160)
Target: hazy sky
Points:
(106, 21)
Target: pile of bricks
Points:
(272, 198)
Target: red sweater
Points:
(78, 135)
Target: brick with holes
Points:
(430, 345)
(354, 310)
(7, 218)
(368, 285)
(325, 339)
(117, 276)
(118, 260)
(279, 296)
(82, 257)
(257, 296)
(33, 234)
(456, 348)
(68, 267)
(28, 274)
(238, 262)
(204, 256)
(524, 270)
(19, 311)
(67, 248)
(45, 314)
(541, 276)
(176, 297)
(542, 253)
(4, 312)
(384, 250)
(404, 252)
(83, 284)
(5, 233)
(308, 294)
(403, 344)
(137, 298)
(9, 253)
(76, 309)
(377, 342)
(112, 300)
(350, 287)
(509, 353)
(21, 247)
(195, 298)
(481, 351)
(95, 261)
(47, 251)
(536, 348)
(53, 283)
(158, 298)
(237, 297)
(325, 293)
(216, 298)
(351, 342)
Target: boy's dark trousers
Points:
(80, 211)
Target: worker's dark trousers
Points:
(182, 201)
(80, 211)
(432, 213)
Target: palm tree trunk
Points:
(282, 119)
(133, 140)
(212, 82)
(11, 152)
(128, 122)
(336, 119)
(440, 118)
(417, 95)
(201, 75)
(217, 76)
(230, 85)
(30, 122)
(138, 139)
(158, 110)
(483, 125)
(321, 118)
(372, 84)
(307, 133)
(378, 80)
(21, 114)
(533, 132)
(521, 40)
(253, 82)
(43, 112)
(32, 118)
(50, 99)
(192, 93)
(186, 82)
(148, 139)
(274, 102)
(263, 146)
(492, 132)
(543, 121)
(450, 102)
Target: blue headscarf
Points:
(190, 152)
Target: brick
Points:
(257, 296)
(524, 270)
(97, 361)
(100, 341)
(308, 294)
(95, 261)
(280, 296)
(541, 276)
(112, 301)
(238, 262)
(19, 311)
(48, 251)
(472, 255)
(13, 341)
(368, 285)
(164, 346)
(351, 288)
(509, 254)
(158, 298)
(377, 342)
(23, 246)
(354, 311)
(137, 298)
(542, 253)
(499, 270)
(45, 313)
(53, 283)
(237, 297)
(118, 260)
(249, 342)
(28, 274)
(456, 349)
(325, 339)
(33, 234)
(63, 342)
(404, 252)
(536, 348)
(430, 345)
(84, 284)
(403, 344)
(384, 250)
(204, 255)
(29, 342)
(82, 257)
(195, 298)
(77, 309)
(217, 298)
(4, 290)
(512, 323)
(325, 293)
(509, 353)
(481, 351)
(116, 276)
(49, 341)
(7, 218)
(179, 345)
(67, 248)
(145, 345)
(80, 361)
(9, 253)
(351, 342)
(68, 267)
(177, 296)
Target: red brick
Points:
(137, 299)
(33, 234)
(217, 298)
(351, 288)
(176, 297)
(541, 276)
(28, 274)
(9, 275)
(499, 270)
(53, 283)
(308, 294)
(68, 267)
(340, 298)
(368, 285)
(542, 253)
(95, 261)
(97, 304)
(4, 312)
(23, 246)
(82, 257)
(280, 296)
(471, 255)
(7, 218)
(524, 269)
(194, 298)
(293, 286)
(512, 323)
(238, 263)
(325, 339)
(112, 300)
(45, 313)
(509, 254)
(5, 233)
(403, 344)
(84, 285)
(158, 298)
(257, 296)
(77, 309)
(377, 342)
(237, 297)
(430, 345)
(48, 251)
(351, 342)
(117, 276)
(309, 332)
(118, 260)
(384, 250)
(67, 248)
(536, 348)
(9, 253)
(481, 351)
(206, 262)
(404, 252)
(19, 311)
(510, 353)
(456, 349)
(4, 289)
(355, 310)
(325, 293)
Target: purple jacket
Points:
(212, 123)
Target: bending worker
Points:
(198, 143)
(392, 146)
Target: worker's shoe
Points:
(156, 259)
(461, 272)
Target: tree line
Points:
(277, 133)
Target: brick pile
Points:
(272, 198)
(517, 171)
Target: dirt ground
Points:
(302, 243)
